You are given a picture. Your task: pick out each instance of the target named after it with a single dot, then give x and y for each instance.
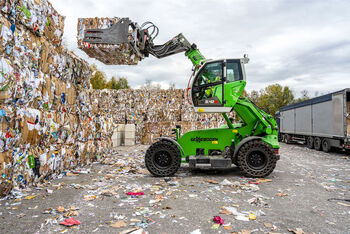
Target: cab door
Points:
(217, 85)
(207, 89)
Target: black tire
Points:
(163, 158)
(326, 145)
(310, 142)
(286, 139)
(318, 143)
(280, 137)
(256, 159)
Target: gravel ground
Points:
(294, 196)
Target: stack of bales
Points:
(154, 112)
(47, 116)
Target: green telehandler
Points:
(215, 86)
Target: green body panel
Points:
(271, 140)
(217, 92)
(195, 56)
(217, 139)
(207, 139)
(233, 91)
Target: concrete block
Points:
(117, 138)
(120, 127)
(130, 128)
(129, 142)
(129, 134)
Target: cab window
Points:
(211, 73)
(207, 88)
(233, 70)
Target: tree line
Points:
(99, 81)
(273, 97)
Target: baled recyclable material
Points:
(121, 54)
(46, 122)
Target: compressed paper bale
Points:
(5, 170)
(48, 71)
(121, 54)
(38, 16)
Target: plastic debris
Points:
(70, 222)
(29, 197)
(135, 194)
(218, 220)
(252, 216)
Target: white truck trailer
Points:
(322, 123)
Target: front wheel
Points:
(163, 158)
(256, 159)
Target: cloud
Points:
(302, 44)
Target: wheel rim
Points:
(317, 142)
(256, 160)
(162, 159)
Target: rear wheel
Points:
(163, 158)
(326, 146)
(310, 142)
(256, 159)
(318, 143)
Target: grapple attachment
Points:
(110, 40)
(116, 34)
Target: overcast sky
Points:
(299, 43)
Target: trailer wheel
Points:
(256, 159)
(326, 146)
(318, 143)
(286, 138)
(310, 142)
(163, 158)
